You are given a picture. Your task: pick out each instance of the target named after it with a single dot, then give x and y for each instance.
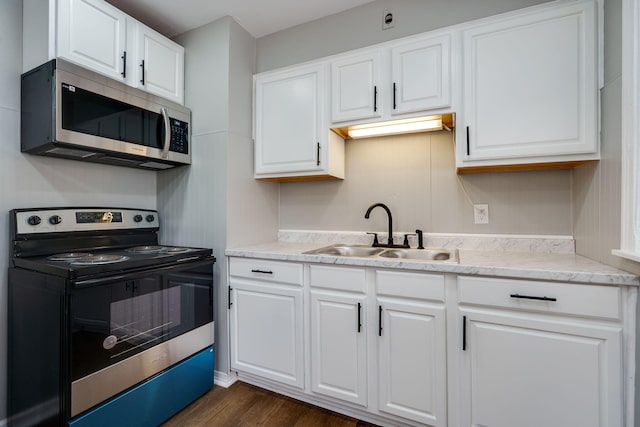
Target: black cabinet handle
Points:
(359, 317)
(468, 151)
(464, 333)
(142, 65)
(262, 271)
(379, 320)
(545, 298)
(394, 95)
(375, 99)
(124, 64)
(318, 155)
(229, 297)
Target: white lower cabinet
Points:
(522, 368)
(338, 339)
(414, 348)
(267, 320)
(338, 346)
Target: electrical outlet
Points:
(388, 19)
(481, 214)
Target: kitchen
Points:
(221, 59)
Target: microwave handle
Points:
(167, 133)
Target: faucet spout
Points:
(383, 206)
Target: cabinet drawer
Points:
(338, 278)
(410, 285)
(562, 298)
(272, 271)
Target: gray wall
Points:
(414, 175)
(216, 202)
(596, 190)
(362, 26)
(30, 181)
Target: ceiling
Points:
(258, 17)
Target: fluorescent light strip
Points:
(395, 128)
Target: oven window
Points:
(144, 319)
(93, 114)
(116, 320)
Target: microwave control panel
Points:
(179, 136)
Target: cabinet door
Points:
(526, 372)
(266, 331)
(421, 75)
(338, 346)
(412, 361)
(92, 33)
(287, 121)
(530, 86)
(162, 72)
(355, 88)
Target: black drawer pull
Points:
(359, 317)
(379, 320)
(262, 271)
(533, 297)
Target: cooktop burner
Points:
(173, 250)
(69, 256)
(146, 249)
(157, 249)
(99, 259)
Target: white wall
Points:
(30, 181)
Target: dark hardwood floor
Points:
(246, 405)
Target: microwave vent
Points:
(69, 152)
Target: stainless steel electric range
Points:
(106, 326)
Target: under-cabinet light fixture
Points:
(394, 127)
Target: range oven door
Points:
(128, 328)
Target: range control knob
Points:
(150, 218)
(137, 218)
(55, 220)
(33, 220)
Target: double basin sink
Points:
(428, 254)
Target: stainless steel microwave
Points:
(70, 112)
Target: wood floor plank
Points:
(245, 405)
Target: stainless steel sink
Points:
(428, 254)
(346, 250)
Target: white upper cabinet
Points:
(404, 78)
(101, 38)
(355, 87)
(291, 138)
(94, 34)
(161, 64)
(421, 75)
(530, 88)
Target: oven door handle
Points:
(167, 133)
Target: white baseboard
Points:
(222, 379)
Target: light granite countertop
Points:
(560, 267)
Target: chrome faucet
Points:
(390, 239)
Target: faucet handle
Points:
(420, 241)
(405, 243)
(375, 239)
